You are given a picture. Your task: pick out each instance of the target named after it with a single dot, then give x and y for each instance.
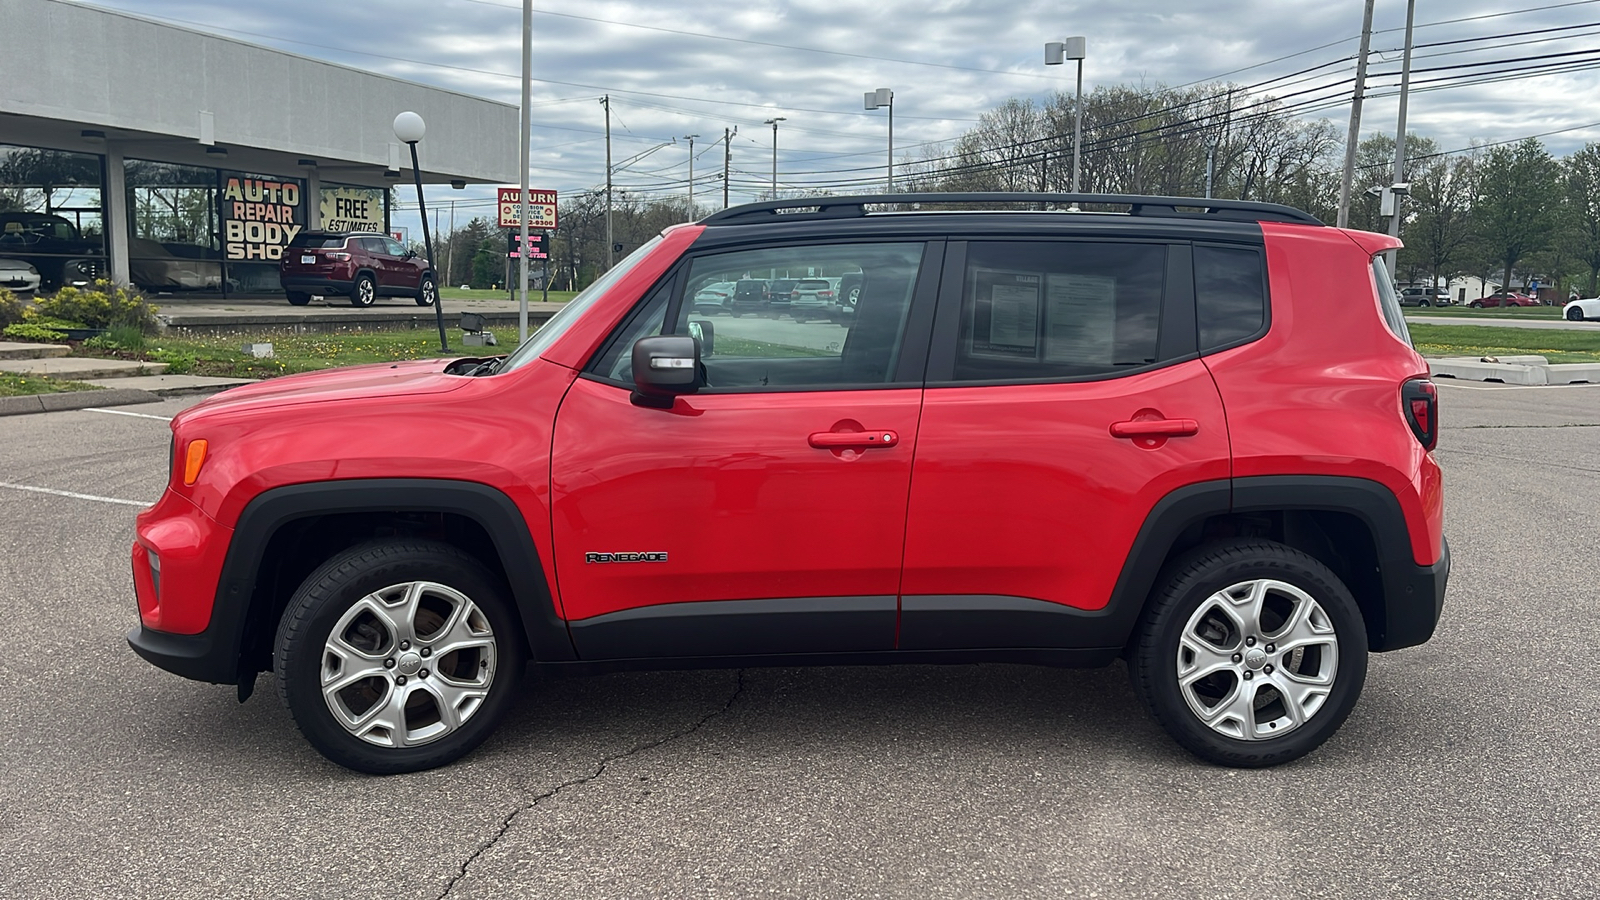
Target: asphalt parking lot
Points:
(1467, 769)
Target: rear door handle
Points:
(839, 440)
(1144, 428)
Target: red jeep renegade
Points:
(1191, 434)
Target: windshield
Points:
(547, 334)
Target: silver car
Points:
(19, 276)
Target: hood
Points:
(425, 376)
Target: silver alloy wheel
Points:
(365, 291)
(408, 664)
(430, 292)
(1257, 659)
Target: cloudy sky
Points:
(1485, 70)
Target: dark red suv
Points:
(1189, 434)
(361, 265)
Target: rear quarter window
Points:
(1230, 292)
(1388, 303)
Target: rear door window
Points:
(1051, 310)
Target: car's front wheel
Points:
(1476, 304)
(427, 292)
(1252, 653)
(364, 292)
(398, 656)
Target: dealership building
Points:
(183, 162)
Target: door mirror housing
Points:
(410, 254)
(665, 366)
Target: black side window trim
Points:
(1177, 335)
(1266, 294)
(667, 282)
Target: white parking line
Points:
(118, 412)
(74, 495)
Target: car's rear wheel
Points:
(398, 656)
(364, 292)
(1251, 654)
(427, 292)
(1575, 314)
(298, 298)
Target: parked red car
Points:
(1504, 298)
(1201, 443)
(360, 265)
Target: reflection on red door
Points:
(733, 489)
(1025, 490)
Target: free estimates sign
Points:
(541, 209)
(260, 216)
(352, 208)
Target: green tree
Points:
(1518, 190)
(1580, 182)
(1439, 231)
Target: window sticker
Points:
(1005, 314)
(1081, 317)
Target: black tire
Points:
(1476, 304)
(1574, 315)
(1425, 303)
(1185, 602)
(298, 298)
(427, 291)
(364, 292)
(337, 594)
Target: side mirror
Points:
(663, 367)
(705, 334)
(410, 254)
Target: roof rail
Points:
(855, 206)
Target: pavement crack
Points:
(505, 824)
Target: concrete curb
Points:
(37, 403)
(1526, 370)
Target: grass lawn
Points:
(1479, 340)
(457, 293)
(220, 355)
(1513, 312)
(23, 385)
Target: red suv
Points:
(1504, 298)
(1193, 435)
(361, 265)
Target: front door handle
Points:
(840, 440)
(1152, 428)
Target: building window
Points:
(51, 204)
(172, 230)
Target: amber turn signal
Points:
(193, 459)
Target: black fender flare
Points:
(495, 512)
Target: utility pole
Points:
(1354, 134)
(727, 161)
(450, 248)
(522, 164)
(1400, 136)
(606, 101)
(690, 138)
(774, 124)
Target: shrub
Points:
(119, 337)
(27, 331)
(11, 307)
(102, 306)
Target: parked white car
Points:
(1578, 310)
(19, 276)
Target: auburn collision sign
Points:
(541, 209)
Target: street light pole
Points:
(1400, 137)
(690, 138)
(873, 100)
(409, 128)
(774, 123)
(610, 259)
(1056, 53)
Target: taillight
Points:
(824, 293)
(1419, 399)
(338, 255)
